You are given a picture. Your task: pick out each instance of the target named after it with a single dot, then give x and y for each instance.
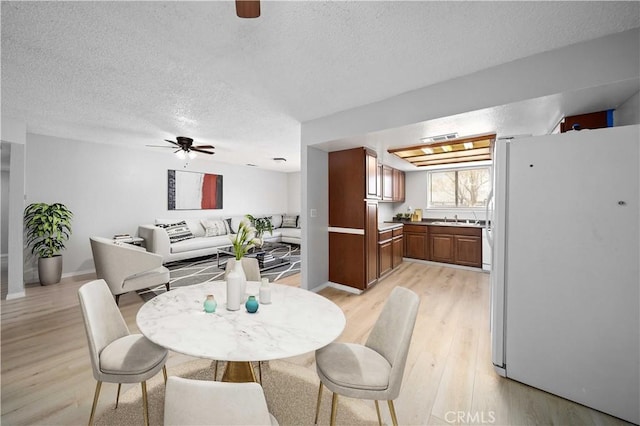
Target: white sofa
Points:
(157, 239)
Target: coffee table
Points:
(296, 322)
(281, 253)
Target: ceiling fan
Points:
(248, 8)
(186, 147)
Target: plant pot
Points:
(50, 269)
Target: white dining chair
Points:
(205, 402)
(373, 370)
(117, 356)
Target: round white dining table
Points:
(296, 321)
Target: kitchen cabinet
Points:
(397, 248)
(371, 159)
(459, 245)
(353, 217)
(416, 244)
(398, 185)
(390, 249)
(385, 257)
(442, 248)
(387, 184)
(391, 184)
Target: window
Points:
(460, 188)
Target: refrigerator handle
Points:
(489, 218)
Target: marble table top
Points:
(296, 322)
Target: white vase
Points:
(233, 290)
(242, 290)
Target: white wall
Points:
(315, 261)
(295, 193)
(112, 189)
(628, 113)
(589, 64)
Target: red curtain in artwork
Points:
(209, 191)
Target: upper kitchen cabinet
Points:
(398, 185)
(392, 181)
(353, 177)
(371, 159)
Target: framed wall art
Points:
(194, 190)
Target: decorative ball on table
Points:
(210, 304)
(251, 305)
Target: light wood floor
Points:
(47, 379)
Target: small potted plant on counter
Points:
(48, 227)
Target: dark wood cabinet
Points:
(385, 257)
(457, 245)
(353, 217)
(468, 250)
(387, 183)
(442, 248)
(371, 161)
(397, 248)
(390, 250)
(416, 244)
(398, 185)
(371, 238)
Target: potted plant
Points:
(261, 224)
(48, 227)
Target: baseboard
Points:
(17, 295)
(31, 275)
(447, 265)
(344, 288)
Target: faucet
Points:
(475, 217)
(445, 219)
(455, 217)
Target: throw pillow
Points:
(229, 228)
(276, 221)
(213, 228)
(289, 221)
(177, 231)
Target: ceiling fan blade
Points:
(161, 146)
(202, 151)
(248, 8)
(175, 143)
(204, 146)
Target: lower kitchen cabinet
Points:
(458, 245)
(468, 250)
(416, 244)
(390, 250)
(442, 248)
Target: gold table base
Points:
(239, 372)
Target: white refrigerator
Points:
(565, 315)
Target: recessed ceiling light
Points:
(468, 145)
(446, 148)
(427, 150)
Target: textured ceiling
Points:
(138, 72)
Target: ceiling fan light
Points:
(181, 155)
(192, 154)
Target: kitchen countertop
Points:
(439, 222)
(384, 226)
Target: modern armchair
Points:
(250, 266)
(200, 402)
(373, 370)
(127, 268)
(116, 355)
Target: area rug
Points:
(205, 269)
(291, 392)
